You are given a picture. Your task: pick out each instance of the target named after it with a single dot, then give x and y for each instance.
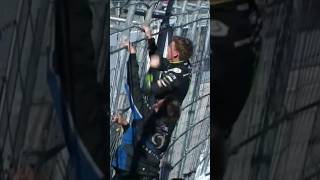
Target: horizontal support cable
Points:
(130, 27)
(184, 132)
(172, 15)
(159, 16)
(164, 30)
(136, 3)
(275, 124)
(190, 150)
(199, 98)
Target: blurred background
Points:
(277, 134)
(30, 133)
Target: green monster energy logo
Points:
(147, 82)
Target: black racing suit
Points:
(175, 78)
(146, 139)
(232, 44)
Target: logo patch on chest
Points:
(176, 70)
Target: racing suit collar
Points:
(177, 62)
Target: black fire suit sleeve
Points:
(152, 47)
(134, 84)
(167, 83)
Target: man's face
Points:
(172, 53)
